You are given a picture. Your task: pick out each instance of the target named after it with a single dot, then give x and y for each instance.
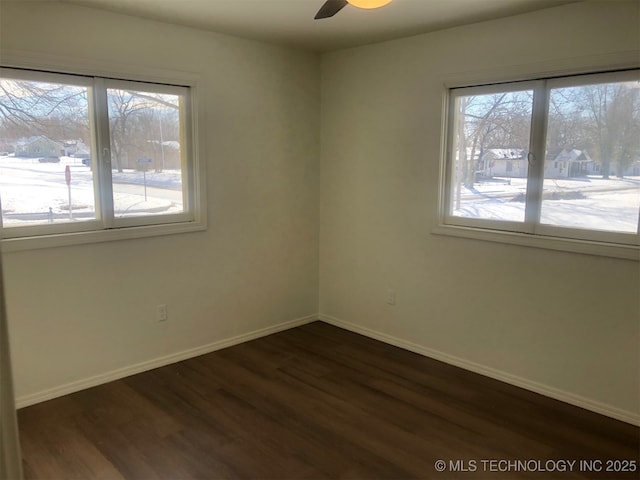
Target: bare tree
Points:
(613, 114)
(123, 108)
(37, 108)
(499, 120)
(140, 124)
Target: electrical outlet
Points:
(391, 297)
(162, 313)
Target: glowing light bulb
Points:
(369, 3)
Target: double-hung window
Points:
(556, 159)
(83, 155)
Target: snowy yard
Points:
(34, 193)
(588, 202)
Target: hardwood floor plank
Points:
(308, 403)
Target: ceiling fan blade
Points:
(330, 8)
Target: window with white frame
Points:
(557, 157)
(86, 154)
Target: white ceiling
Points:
(290, 22)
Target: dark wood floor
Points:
(313, 402)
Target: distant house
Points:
(166, 155)
(570, 163)
(163, 155)
(513, 162)
(76, 148)
(38, 146)
(503, 162)
(633, 170)
(6, 148)
(630, 170)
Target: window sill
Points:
(98, 236)
(627, 252)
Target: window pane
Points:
(592, 168)
(146, 152)
(45, 154)
(490, 147)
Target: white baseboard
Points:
(48, 394)
(552, 392)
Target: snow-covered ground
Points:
(590, 202)
(33, 193)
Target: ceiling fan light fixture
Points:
(368, 4)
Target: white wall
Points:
(563, 323)
(84, 311)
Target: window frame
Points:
(105, 227)
(530, 232)
(187, 173)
